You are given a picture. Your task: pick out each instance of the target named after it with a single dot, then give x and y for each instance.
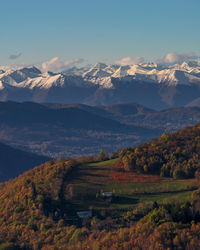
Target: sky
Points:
(64, 32)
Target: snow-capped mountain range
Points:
(156, 86)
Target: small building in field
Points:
(107, 194)
(84, 214)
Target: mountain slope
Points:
(67, 130)
(194, 103)
(15, 161)
(27, 113)
(60, 130)
(152, 85)
(135, 114)
(171, 155)
(115, 112)
(38, 210)
(171, 119)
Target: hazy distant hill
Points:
(194, 103)
(28, 114)
(63, 131)
(135, 114)
(15, 161)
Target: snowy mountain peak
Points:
(100, 65)
(101, 75)
(148, 84)
(101, 72)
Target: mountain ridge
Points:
(152, 85)
(65, 130)
(60, 130)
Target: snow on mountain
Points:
(100, 84)
(122, 71)
(45, 81)
(13, 77)
(1, 85)
(32, 78)
(105, 82)
(101, 74)
(98, 70)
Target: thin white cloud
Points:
(56, 65)
(173, 57)
(14, 57)
(16, 66)
(129, 60)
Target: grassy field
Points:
(88, 182)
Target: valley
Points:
(100, 125)
(68, 130)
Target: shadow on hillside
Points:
(90, 174)
(94, 168)
(125, 200)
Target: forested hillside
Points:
(171, 155)
(39, 209)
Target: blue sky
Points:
(97, 30)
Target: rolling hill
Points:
(41, 205)
(171, 155)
